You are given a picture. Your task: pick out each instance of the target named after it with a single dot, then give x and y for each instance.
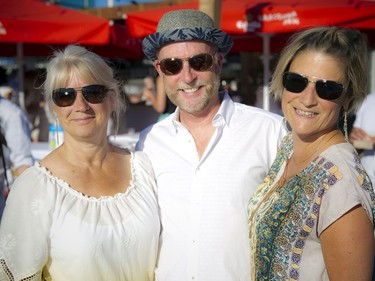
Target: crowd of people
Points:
(216, 189)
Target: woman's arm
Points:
(348, 247)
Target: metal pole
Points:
(266, 69)
(213, 9)
(21, 70)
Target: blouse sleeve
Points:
(143, 169)
(352, 187)
(24, 228)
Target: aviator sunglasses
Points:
(173, 66)
(326, 89)
(63, 97)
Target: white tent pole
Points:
(266, 69)
(21, 70)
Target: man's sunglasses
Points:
(63, 97)
(326, 89)
(173, 66)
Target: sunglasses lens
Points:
(201, 62)
(294, 82)
(64, 96)
(329, 90)
(94, 93)
(171, 66)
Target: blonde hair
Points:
(77, 60)
(347, 45)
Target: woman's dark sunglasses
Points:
(326, 89)
(63, 97)
(173, 66)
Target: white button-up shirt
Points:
(203, 202)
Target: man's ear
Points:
(220, 59)
(157, 67)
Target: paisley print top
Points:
(285, 227)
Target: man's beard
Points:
(209, 90)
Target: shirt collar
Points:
(223, 116)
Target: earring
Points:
(346, 126)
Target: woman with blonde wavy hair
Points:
(88, 210)
(312, 218)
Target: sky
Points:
(79, 4)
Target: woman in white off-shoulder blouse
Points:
(88, 211)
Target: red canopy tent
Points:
(42, 27)
(253, 23)
(242, 18)
(33, 21)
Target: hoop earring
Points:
(346, 126)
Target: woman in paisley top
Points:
(88, 210)
(312, 218)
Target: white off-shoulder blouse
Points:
(50, 231)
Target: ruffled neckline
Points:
(66, 186)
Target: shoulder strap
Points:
(3, 141)
(2, 138)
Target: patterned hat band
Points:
(185, 25)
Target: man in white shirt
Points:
(209, 156)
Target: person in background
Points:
(34, 106)
(208, 156)
(6, 91)
(362, 135)
(156, 96)
(88, 210)
(15, 144)
(312, 218)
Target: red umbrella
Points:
(42, 27)
(34, 21)
(120, 46)
(283, 16)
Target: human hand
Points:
(357, 134)
(360, 139)
(148, 93)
